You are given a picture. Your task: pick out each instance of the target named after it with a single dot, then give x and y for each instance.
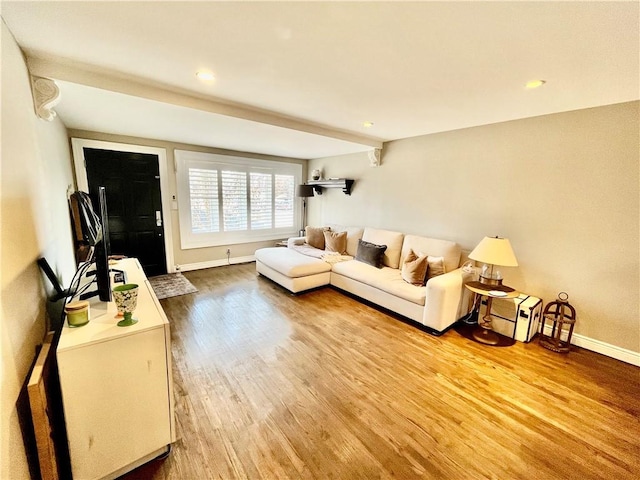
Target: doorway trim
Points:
(79, 144)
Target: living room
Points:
(562, 186)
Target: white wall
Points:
(35, 174)
(563, 188)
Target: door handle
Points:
(158, 218)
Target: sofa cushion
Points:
(451, 251)
(291, 263)
(436, 266)
(370, 253)
(335, 241)
(315, 236)
(414, 269)
(386, 279)
(353, 235)
(393, 241)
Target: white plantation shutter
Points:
(234, 200)
(284, 204)
(205, 215)
(225, 200)
(261, 200)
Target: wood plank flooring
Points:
(322, 386)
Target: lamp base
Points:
(490, 281)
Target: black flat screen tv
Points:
(103, 248)
(93, 221)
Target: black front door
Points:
(134, 206)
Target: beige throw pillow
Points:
(436, 266)
(414, 268)
(335, 242)
(315, 236)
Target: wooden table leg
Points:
(484, 332)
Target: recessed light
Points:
(206, 76)
(367, 124)
(535, 84)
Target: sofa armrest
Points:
(446, 299)
(295, 241)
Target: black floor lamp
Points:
(303, 192)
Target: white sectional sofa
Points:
(436, 306)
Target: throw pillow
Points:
(436, 267)
(335, 241)
(414, 268)
(315, 236)
(370, 253)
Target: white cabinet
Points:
(116, 386)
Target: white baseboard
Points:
(622, 354)
(185, 267)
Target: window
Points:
(224, 200)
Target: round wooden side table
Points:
(484, 332)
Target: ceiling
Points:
(298, 79)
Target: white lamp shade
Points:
(494, 251)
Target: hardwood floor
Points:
(319, 385)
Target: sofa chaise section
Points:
(293, 270)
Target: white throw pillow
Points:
(436, 266)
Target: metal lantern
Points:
(561, 315)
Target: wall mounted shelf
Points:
(344, 183)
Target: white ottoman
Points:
(294, 271)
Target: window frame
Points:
(186, 159)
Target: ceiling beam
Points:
(74, 72)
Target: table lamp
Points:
(493, 251)
(304, 191)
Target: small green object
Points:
(77, 313)
(128, 320)
(125, 287)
